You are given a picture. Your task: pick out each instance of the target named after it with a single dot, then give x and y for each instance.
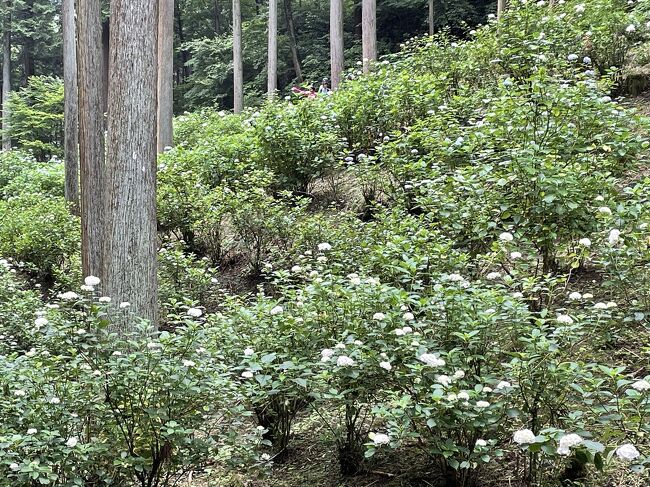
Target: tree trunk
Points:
(293, 43)
(272, 65)
(106, 39)
(28, 45)
(71, 115)
(165, 74)
(217, 17)
(185, 55)
(369, 32)
(91, 134)
(501, 6)
(337, 58)
(6, 78)
(238, 63)
(431, 17)
(131, 240)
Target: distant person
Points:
(307, 93)
(325, 87)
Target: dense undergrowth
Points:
(448, 256)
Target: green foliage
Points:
(37, 117)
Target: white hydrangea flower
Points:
(72, 442)
(247, 374)
(248, 351)
(517, 295)
(482, 404)
(572, 57)
(503, 385)
(515, 255)
(480, 442)
(611, 304)
(580, 8)
(277, 310)
(385, 365)
(379, 438)
(340, 346)
(587, 296)
(524, 437)
(91, 281)
(445, 380)
(493, 276)
(19, 393)
(431, 359)
(83, 287)
(575, 296)
(104, 299)
(506, 237)
(379, 316)
(69, 296)
(459, 374)
(455, 278)
(600, 306)
(638, 316)
(194, 312)
(39, 322)
(124, 304)
(14, 467)
(32, 431)
(296, 268)
(407, 330)
(345, 361)
(585, 242)
(627, 452)
(567, 442)
(463, 396)
(55, 400)
(326, 354)
(604, 210)
(630, 28)
(399, 332)
(188, 363)
(408, 316)
(641, 385)
(565, 319)
(614, 236)
(324, 247)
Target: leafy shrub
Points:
(37, 117)
(42, 233)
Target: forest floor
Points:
(312, 458)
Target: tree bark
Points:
(431, 8)
(238, 63)
(28, 46)
(272, 64)
(369, 32)
(106, 39)
(131, 240)
(217, 17)
(90, 79)
(185, 55)
(337, 58)
(165, 74)
(293, 43)
(6, 78)
(501, 6)
(71, 114)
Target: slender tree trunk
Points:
(272, 65)
(238, 63)
(217, 17)
(185, 56)
(293, 43)
(71, 111)
(165, 74)
(369, 32)
(131, 240)
(501, 6)
(28, 46)
(6, 78)
(431, 8)
(106, 39)
(90, 61)
(337, 58)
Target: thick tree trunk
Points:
(501, 6)
(337, 58)
(71, 113)
(272, 65)
(6, 78)
(431, 8)
(217, 17)
(238, 63)
(90, 77)
(165, 74)
(293, 43)
(185, 55)
(131, 239)
(369, 32)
